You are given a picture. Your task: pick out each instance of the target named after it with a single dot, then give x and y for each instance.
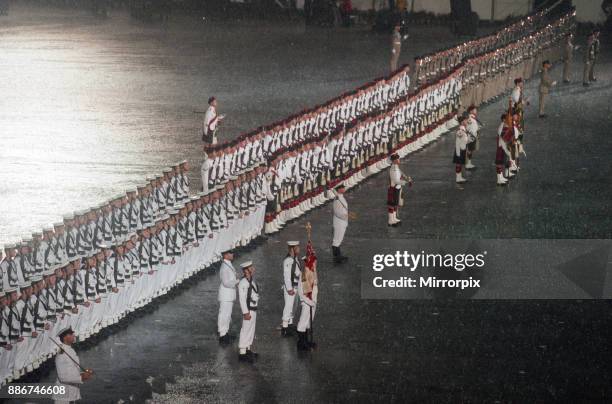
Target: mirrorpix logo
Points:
(439, 274)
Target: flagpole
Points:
(309, 235)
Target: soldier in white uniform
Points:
(69, 371)
(292, 272)
(248, 293)
(206, 165)
(397, 180)
(211, 120)
(227, 296)
(396, 46)
(340, 223)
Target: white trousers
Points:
(304, 322)
(288, 310)
(247, 332)
(225, 317)
(339, 230)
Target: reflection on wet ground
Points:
(91, 106)
(392, 351)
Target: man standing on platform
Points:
(545, 84)
(340, 223)
(211, 120)
(292, 273)
(227, 296)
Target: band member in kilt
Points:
(502, 155)
(461, 141)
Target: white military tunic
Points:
(340, 220)
(210, 123)
(68, 374)
(248, 305)
(227, 295)
(395, 177)
(516, 95)
(204, 172)
(309, 306)
(292, 275)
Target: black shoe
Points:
(225, 340)
(245, 358)
(302, 343)
(566, 81)
(339, 258)
(585, 84)
(286, 332)
(593, 80)
(292, 327)
(542, 116)
(253, 355)
(335, 251)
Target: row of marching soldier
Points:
(100, 264)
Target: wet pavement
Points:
(402, 351)
(89, 107)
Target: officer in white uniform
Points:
(69, 371)
(340, 223)
(211, 120)
(248, 293)
(397, 179)
(292, 272)
(227, 296)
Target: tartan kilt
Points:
(460, 159)
(500, 156)
(394, 196)
(472, 146)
